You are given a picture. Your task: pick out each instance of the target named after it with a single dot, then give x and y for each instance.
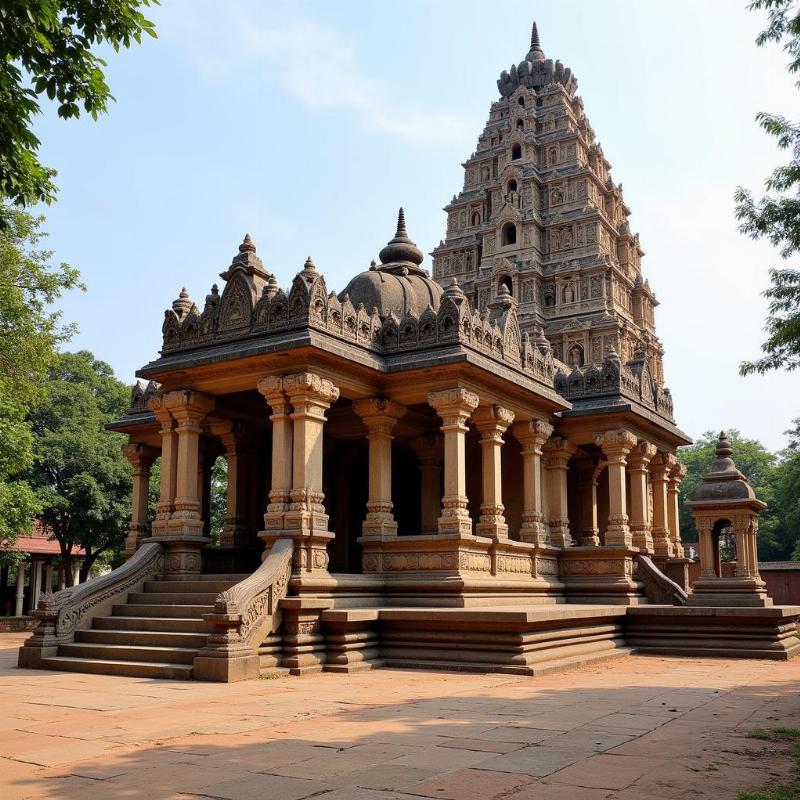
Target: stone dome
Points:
(398, 284)
(723, 483)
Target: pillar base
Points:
(302, 641)
(183, 560)
(310, 554)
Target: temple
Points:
(470, 469)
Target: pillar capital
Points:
(429, 448)
(492, 421)
(273, 392)
(677, 474)
(309, 386)
(641, 454)
(616, 444)
(140, 456)
(557, 452)
(454, 406)
(188, 407)
(159, 408)
(379, 414)
(661, 465)
(532, 433)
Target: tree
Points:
(754, 461)
(81, 478)
(29, 335)
(776, 215)
(48, 47)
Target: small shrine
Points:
(725, 505)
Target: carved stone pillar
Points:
(492, 422)
(280, 491)
(532, 435)
(189, 409)
(676, 475)
(638, 461)
(430, 450)
(169, 464)
(557, 453)
(380, 416)
(306, 521)
(141, 458)
(616, 445)
(183, 533)
(589, 479)
(454, 406)
(660, 467)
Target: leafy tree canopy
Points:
(48, 47)
(29, 334)
(776, 215)
(80, 476)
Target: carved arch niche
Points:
(236, 305)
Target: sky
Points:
(308, 124)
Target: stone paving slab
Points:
(635, 728)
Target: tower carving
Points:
(540, 214)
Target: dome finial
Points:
(247, 245)
(535, 43)
(401, 223)
(401, 251)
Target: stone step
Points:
(213, 583)
(166, 624)
(163, 638)
(173, 598)
(133, 669)
(128, 652)
(161, 610)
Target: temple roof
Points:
(398, 285)
(535, 71)
(724, 484)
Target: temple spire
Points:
(401, 223)
(535, 43)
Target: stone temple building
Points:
(470, 469)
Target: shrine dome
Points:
(398, 284)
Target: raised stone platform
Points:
(529, 641)
(701, 631)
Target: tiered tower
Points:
(540, 214)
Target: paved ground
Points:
(634, 729)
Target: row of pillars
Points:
(298, 404)
(41, 574)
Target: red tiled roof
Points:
(40, 542)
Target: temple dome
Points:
(398, 284)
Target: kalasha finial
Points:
(183, 294)
(309, 265)
(401, 250)
(535, 43)
(723, 448)
(401, 223)
(247, 245)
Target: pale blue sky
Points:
(307, 125)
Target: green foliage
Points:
(219, 498)
(47, 48)
(776, 215)
(80, 476)
(29, 335)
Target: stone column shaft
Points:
(380, 416)
(660, 468)
(430, 451)
(454, 406)
(492, 422)
(169, 463)
(676, 475)
(557, 453)
(590, 535)
(638, 461)
(141, 459)
(280, 491)
(616, 445)
(20, 595)
(532, 435)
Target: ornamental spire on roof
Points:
(536, 45)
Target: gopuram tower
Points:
(540, 215)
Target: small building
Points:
(41, 571)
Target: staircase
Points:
(155, 633)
